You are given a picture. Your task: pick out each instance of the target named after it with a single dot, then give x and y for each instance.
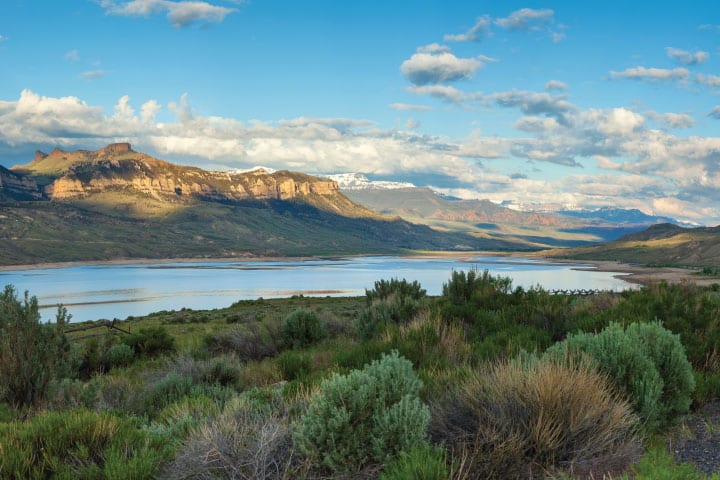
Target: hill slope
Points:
(663, 244)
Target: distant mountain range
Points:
(116, 203)
(490, 220)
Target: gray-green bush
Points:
(303, 328)
(645, 361)
(367, 416)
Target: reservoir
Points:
(92, 292)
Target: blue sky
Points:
(590, 103)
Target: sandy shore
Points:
(643, 275)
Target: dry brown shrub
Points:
(523, 419)
(242, 443)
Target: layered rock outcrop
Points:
(18, 186)
(118, 167)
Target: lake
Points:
(92, 292)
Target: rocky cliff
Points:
(17, 186)
(118, 167)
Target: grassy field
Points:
(464, 385)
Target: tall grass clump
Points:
(646, 362)
(31, 353)
(515, 419)
(367, 416)
(79, 444)
(421, 462)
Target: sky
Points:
(563, 103)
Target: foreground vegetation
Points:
(485, 381)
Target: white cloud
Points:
(123, 110)
(72, 56)
(437, 66)
(526, 19)
(408, 106)
(652, 74)
(179, 13)
(677, 120)
(715, 112)
(710, 80)
(534, 103)
(620, 122)
(93, 74)
(478, 31)
(537, 124)
(2, 38)
(558, 37)
(445, 93)
(606, 163)
(686, 58)
(556, 85)
(149, 110)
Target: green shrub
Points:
(150, 342)
(79, 444)
(518, 417)
(667, 353)
(471, 287)
(646, 362)
(420, 462)
(372, 320)
(120, 355)
(510, 341)
(385, 289)
(368, 415)
(31, 353)
(624, 360)
(253, 341)
(303, 328)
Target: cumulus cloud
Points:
(478, 31)
(686, 58)
(620, 122)
(651, 74)
(433, 64)
(675, 120)
(93, 74)
(556, 85)
(445, 93)
(534, 103)
(179, 13)
(526, 19)
(409, 106)
(710, 80)
(537, 124)
(149, 110)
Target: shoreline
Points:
(631, 273)
(642, 275)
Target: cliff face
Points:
(118, 167)
(18, 186)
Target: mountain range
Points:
(116, 203)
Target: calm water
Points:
(117, 291)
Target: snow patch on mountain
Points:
(358, 181)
